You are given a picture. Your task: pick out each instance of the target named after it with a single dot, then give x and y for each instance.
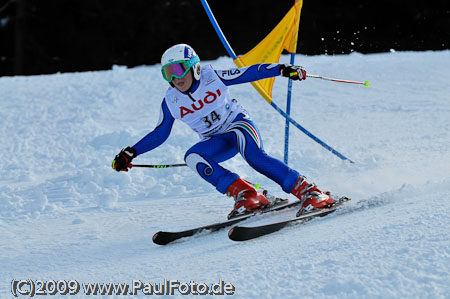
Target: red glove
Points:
(123, 159)
(295, 72)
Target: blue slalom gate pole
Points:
(219, 32)
(288, 112)
(309, 134)
(230, 51)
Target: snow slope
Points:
(66, 215)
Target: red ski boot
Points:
(246, 198)
(312, 196)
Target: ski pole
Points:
(365, 83)
(156, 166)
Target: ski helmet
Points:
(178, 60)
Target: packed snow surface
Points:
(66, 215)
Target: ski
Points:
(165, 237)
(243, 233)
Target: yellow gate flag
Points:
(282, 37)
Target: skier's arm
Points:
(248, 74)
(260, 71)
(152, 140)
(159, 135)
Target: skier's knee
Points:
(193, 160)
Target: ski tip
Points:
(157, 240)
(235, 234)
(155, 236)
(230, 232)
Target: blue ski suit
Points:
(223, 125)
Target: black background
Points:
(48, 36)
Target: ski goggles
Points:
(178, 69)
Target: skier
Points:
(199, 96)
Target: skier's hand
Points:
(295, 72)
(123, 159)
